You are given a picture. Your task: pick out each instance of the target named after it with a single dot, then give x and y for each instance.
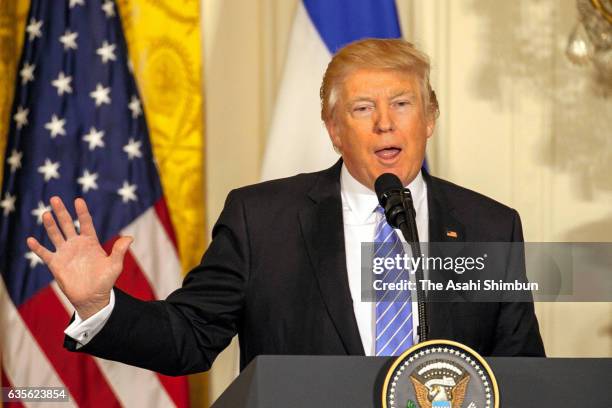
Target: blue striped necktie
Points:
(393, 308)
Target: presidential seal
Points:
(440, 374)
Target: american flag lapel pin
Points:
(451, 234)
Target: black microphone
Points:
(397, 203)
(390, 191)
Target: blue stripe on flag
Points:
(340, 22)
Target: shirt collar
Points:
(363, 202)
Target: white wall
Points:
(244, 47)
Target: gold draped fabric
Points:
(163, 38)
(13, 14)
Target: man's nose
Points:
(383, 121)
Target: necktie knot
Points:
(383, 231)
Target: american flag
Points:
(78, 129)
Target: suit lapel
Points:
(323, 231)
(446, 237)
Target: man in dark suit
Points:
(280, 271)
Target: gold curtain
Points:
(164, 42)
(13, 14)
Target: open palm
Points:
(81, 267)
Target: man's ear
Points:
(431, 124)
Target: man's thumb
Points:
(120, 247)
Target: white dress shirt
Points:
(84, 330)
(360, 218)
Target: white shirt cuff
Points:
(84, 330)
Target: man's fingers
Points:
(120, 248)
(42, 252)
(63, 217)
(85, 220)
(52, 230)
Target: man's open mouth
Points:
(388, 152)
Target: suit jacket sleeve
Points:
(184, 333)
(517, 331)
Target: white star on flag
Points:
(101, 95)
(38, 212)
(135, 107)
(33, 258)
(127, 192)
(94, 138)
(76, 3)
(107, 52)
(8, 204)
(49, 170)
(62, 83)
(88, 181)
(21, 117)
(109, 8)
(27, 73)
(133, 148)
(56, 126)
(33, 29)
(14, 160)
(69, 40)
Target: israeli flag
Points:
(298, 141)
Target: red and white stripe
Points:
(31, 348)
(23, 361)
(154, 252)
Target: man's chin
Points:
(405, 177)
(401, 174)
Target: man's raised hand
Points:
(79, 264)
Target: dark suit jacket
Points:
(275, 274)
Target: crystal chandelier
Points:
(591, 40)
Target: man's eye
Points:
(402, 104)
(362, 110)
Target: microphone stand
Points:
(411, 234)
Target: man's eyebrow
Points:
(410, 94)
(360, 99)
(406, 93)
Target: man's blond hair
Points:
(371, 53)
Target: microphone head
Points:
(386, 183)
